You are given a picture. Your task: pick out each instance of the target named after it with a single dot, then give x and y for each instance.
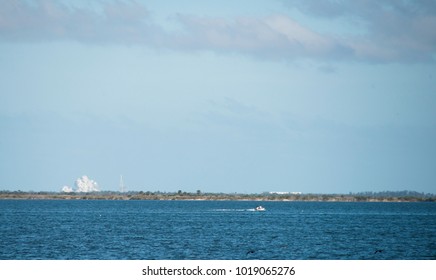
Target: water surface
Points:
(62, 229)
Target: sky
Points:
(219, 96)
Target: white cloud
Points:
(396, 31)
(41, 20)
(275, 36)
(298, 35)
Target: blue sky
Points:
(233, 96)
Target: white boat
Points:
(259, 208)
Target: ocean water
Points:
(136, 230)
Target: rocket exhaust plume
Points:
(67, 189)
(83, 184)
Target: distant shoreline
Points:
(207, 197)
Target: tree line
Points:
(385, 196)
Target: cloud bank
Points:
(394, 31)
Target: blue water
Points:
(60, 229)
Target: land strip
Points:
(215, 196)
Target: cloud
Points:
(42, 20)
(394, 31)
(403, 31)
(276, 36)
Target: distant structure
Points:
(285, 193)
(122, 189)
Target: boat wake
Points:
(233, 210)
(238, 210)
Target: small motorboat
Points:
(259, 208)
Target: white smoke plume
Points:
(67, 189)
(83, 184)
